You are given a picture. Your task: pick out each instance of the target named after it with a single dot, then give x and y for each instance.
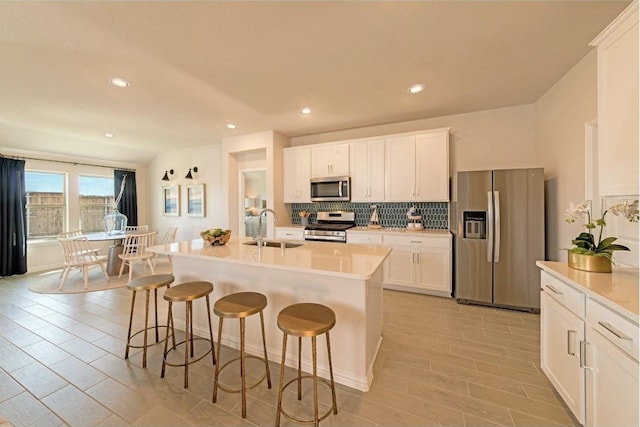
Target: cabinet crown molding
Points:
(623, 22)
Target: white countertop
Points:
(338, 259)
(618, 289)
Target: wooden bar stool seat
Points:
(187, 293)
(306, 320)
(147, 284)
(240, 306)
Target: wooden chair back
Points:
(136, 228)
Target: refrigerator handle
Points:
(490, 228)
(496, 198)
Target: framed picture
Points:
(195, 200)
(171, 197)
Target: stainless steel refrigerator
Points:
(499, 237)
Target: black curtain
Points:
(13, 218)
(129, 203)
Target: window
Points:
(96, 200)
(46, 207)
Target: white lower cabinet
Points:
(561, 332)
(589, 352)
(419, 263)
(611, 366)
(612, 384)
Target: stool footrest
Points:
(148, 329)
(312, 421)
(191, 360)
(249, 387)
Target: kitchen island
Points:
(346, 278)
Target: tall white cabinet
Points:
(618, 105)
(330, 160)
(297, 171)
(417, 167)
(367, 170)
(407, 167)
(589, 339)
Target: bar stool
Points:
(306, 320)
(146, 283)
(187, 292)
(240, 306)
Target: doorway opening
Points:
(252, 198)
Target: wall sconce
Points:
(166, 176)
(189, 174)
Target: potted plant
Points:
(588, 253)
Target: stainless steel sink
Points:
(274, 244)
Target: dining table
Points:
(113, 260)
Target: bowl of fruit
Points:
(215, 236)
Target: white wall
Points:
(240, 152)
(208, 160)
(561, 114)
(503, 138)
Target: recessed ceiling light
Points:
(306, 110)
(231, 126)
(109, 135)
(117, 81)
(417, 88)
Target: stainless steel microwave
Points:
(335, 188)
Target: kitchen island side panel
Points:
(357, 303)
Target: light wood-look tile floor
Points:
(440, 364)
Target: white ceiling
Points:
(196, 66)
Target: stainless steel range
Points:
(331, 226)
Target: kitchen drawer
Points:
(364, 238)
(619, 330)
(417, 240)
(284, 233)
(565, 294)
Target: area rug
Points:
(48, 282)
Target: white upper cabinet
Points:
(297, 166)
(417, 167)
(367, 170)
(618, 105)
(330, 160)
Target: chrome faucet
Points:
(258, 237)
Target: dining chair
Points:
(169, 237)
(135, 249)
(136, 228)
(78, 254)
(75, 234)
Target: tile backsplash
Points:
(435, 215)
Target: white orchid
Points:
(629, 211)
(575, 211)
(586, 243)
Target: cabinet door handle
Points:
(570, 347)
(614, 331)
(416, 241)
(418, 255)
(554, 290)
(583, 355)
(413, 257)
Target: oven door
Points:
(325, 236)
